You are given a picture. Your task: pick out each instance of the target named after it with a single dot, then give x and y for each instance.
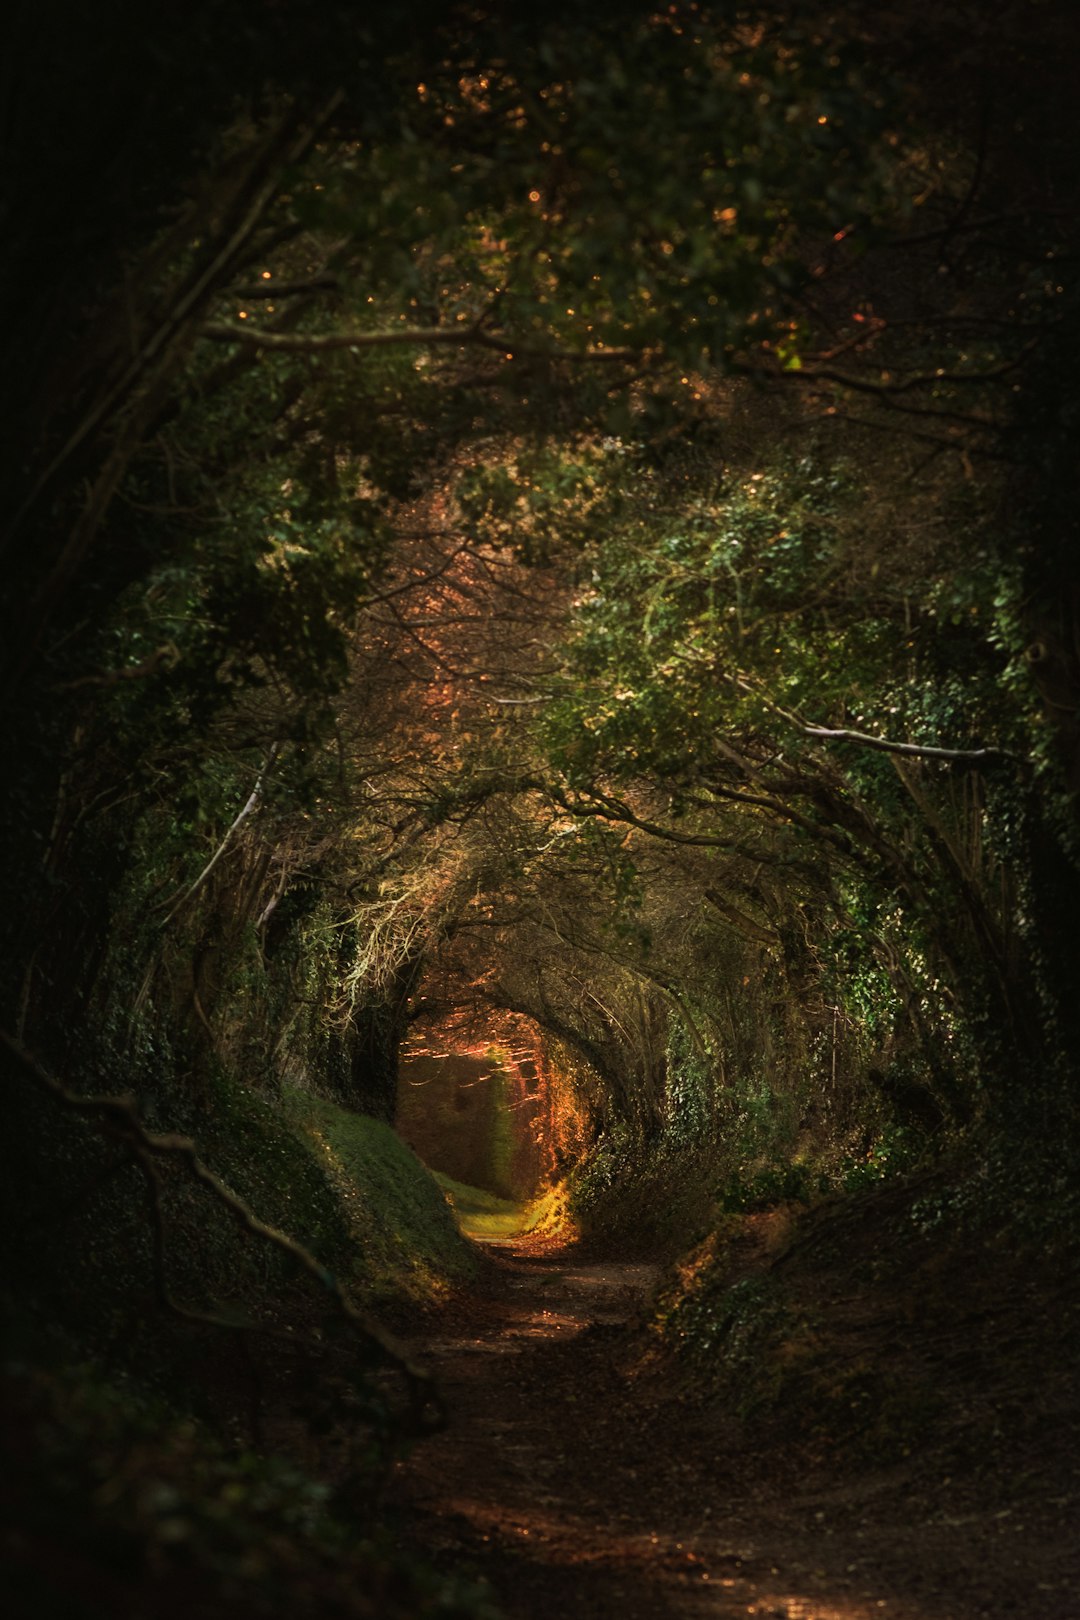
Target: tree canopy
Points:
(559, 442)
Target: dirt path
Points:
(579, 1481)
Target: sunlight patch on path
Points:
(487, 1218)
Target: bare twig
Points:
(608, 807)
(253, 799)
(458, 337)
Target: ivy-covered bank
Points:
(197, 1408)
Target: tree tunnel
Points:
(542, 624)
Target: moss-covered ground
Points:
(401, 1242)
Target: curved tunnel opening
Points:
(486, 1101)
(478, 1114)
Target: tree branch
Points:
(418, 336)
(607, 807)
(915, 750)
(866, 740)
(327, 282)
(252, 801)
(163, 657)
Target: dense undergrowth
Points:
(900, 1299)
(930, 1315)
(667, 1193)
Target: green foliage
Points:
(715, 604)
(728, 1328)
(804, 1181)
(1025, 1194)
(641, 1198)
(690, 1102)
(776, 1184)
(895, 1149)
(528, 172)
(118, 1491)
(732, 614)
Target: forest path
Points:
(581, 1482)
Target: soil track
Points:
(581, 1480)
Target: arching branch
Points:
(914, 750)
(249, 806)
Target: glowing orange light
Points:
(534, 196)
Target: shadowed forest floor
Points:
(583, 1477)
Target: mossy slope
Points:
(400, 1237)
(217, 1451)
